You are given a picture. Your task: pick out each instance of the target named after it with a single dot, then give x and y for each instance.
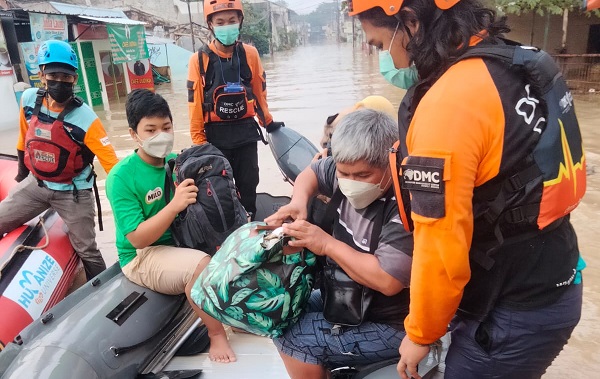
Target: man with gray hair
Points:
(357, 316)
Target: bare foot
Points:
(220, 351)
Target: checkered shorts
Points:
(314, 340)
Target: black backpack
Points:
(217, 212)
(558, 130)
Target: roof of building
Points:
(114, 15)
(81, 10)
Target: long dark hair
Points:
(442, 36)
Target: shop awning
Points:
(114, 20)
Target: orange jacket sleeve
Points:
(195, 88)
(97, 141)
(259, 85)
(23, 127)
(463, 127)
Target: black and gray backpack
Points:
(218, 211)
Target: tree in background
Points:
(255, 30)
(289, 39)
(544, 8)
(324, 15)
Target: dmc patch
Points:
(423, 177)
(43, 133)
(153, 195)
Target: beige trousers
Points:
(164, 269)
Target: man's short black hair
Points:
(145, 103)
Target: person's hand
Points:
(21, 176)
(185, 194)
(410, 356)
(294, 211)
(307, 235)
(320, 155)
(22, 171)
(274, 125)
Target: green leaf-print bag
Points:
(256, 282)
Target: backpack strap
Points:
(204, 72)
(502, 52)
(377, 226)
(75, 102)
(329, 218)
(241, 51)
(39, 100)
(169, 185)
(98, 203)
(201, 63)
(540, 68)
(207, 105)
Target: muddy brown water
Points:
(308, 84)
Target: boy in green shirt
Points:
(135, 189)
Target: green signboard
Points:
(127, 42)
(79, 88)
(89, 64)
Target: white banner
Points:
(33, 285)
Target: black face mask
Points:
(59, 91)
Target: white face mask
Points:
(362, 194)
(159, 145)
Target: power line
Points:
(317, 3)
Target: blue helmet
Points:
(55, 51)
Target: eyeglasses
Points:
(61, 77)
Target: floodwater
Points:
(308, 84)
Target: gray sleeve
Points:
(324, 169)
(395, 247)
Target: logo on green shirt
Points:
(153, 195)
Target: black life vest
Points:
(227, 86)
(52, 153)
(345, 301)
(548, 184)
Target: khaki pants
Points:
(164, 269)
(27, 199)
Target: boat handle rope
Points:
(19, 248)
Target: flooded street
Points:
(308, 84)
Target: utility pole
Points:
(191, 26)
(337, 21)
(563, 45)
(270, 27)
(353, 33)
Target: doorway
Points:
(594, 40)
(114, 77)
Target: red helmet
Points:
(390, 7)
(214, 6)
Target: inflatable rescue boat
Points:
(113, 328)
(37, 264)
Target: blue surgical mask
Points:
(227, 34)
(398, 77)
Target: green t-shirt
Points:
(135, 191)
